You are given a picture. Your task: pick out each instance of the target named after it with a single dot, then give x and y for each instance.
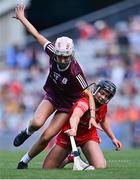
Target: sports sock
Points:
(70, 158)
(26, 158)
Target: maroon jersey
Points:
(63, 87)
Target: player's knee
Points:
(101, 165)
(37, 123)
(49, 164)
(46, 137)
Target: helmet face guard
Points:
(104, 88)
(64, 49)
(63, 65)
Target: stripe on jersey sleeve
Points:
(48, 42)
(81, 81)
(50, 46)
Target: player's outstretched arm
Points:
(75, 119)
(106, 127)
(19, 14)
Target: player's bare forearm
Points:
(74, 120)
(107, 129)
(19, 14)
(92, 108)
(32, 30)
(91, 102)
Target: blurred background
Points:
(107, 46)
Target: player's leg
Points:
(55, 157)
(55, 126)
(67, 160)
(94, 154)
(44, 110)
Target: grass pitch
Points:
(121, 165)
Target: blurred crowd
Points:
(104, 51)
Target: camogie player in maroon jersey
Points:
(65, 84)
(86, 138)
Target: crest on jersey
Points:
(64, 80)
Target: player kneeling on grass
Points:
(86, 136)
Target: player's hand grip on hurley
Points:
(71, 132)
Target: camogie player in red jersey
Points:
(65, 84)
(85, 137)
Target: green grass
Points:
(121, 165)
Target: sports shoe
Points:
(20, 138)
(22, 165)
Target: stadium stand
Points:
(105, 49)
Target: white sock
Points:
(29, 132)
(26, 158)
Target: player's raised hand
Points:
(117, 143)
(19, 11)
(92, 123)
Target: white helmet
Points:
(64, 46)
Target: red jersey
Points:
(83, 133)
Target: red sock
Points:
(70, 157)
